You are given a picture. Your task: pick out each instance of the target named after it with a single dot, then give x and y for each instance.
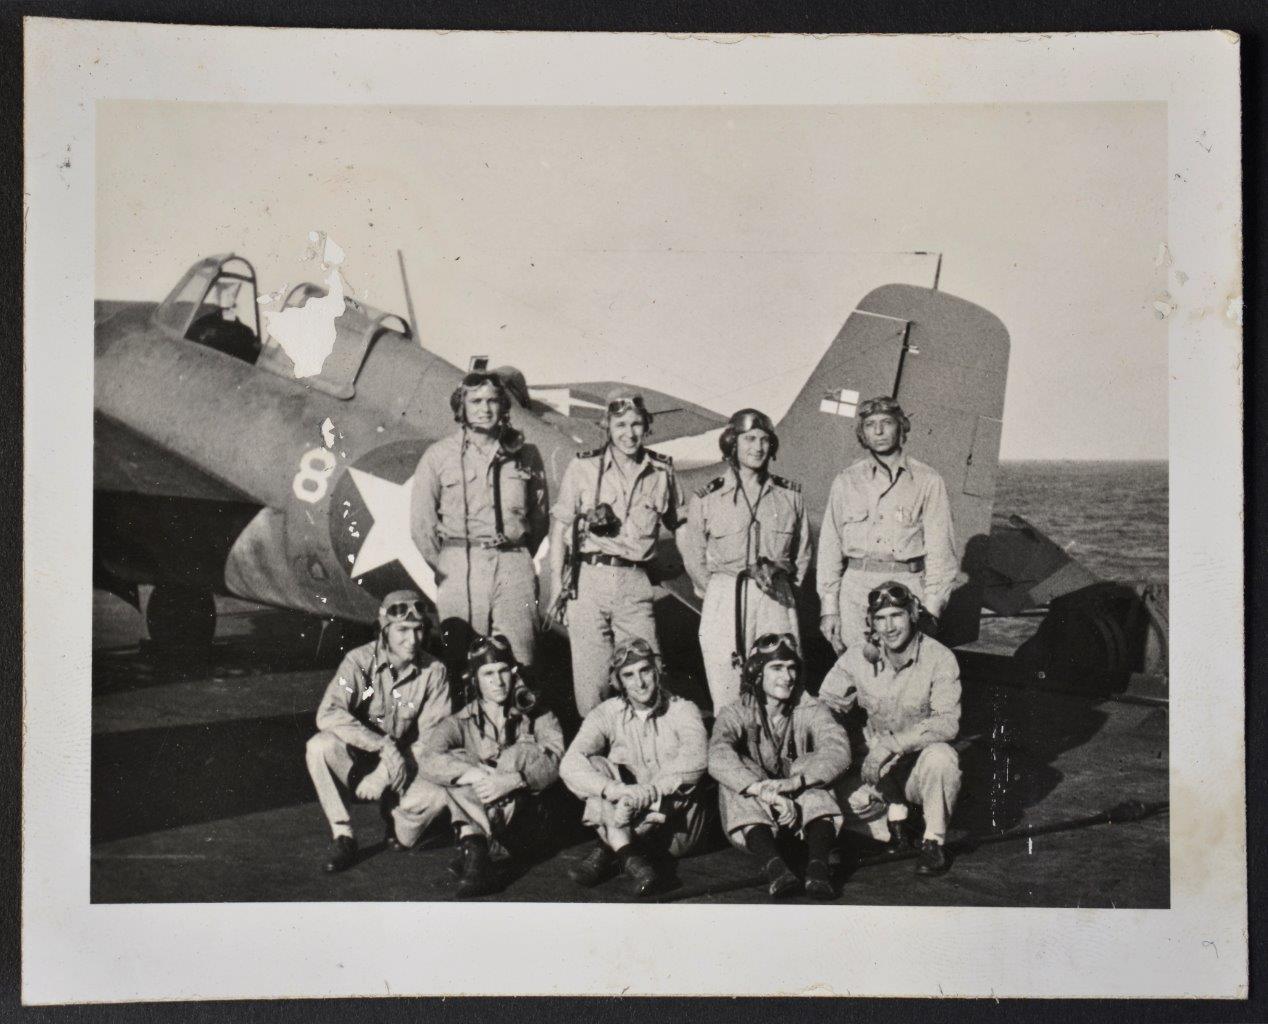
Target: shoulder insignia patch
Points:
(593, 453)
(790, 485)
(660, 457)
(710, 487)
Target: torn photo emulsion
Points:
(745, 493)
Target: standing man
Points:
(493, 759)
(384, 697)
(605, 525)
(909, 685)
(777, 754)
(746, 545)
(477, 515)
(637, 763)
(888, 516)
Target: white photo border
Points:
(74, 951)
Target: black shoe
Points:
(477, 869)
(456, 863)
(819, 881)
(900, 838)
(782, 880)
(598, 866)
(933, 858)
(343, 854)
(644, 878)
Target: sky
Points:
(710, 252)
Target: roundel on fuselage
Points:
(369, 521)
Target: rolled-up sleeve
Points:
(830, 564)
(578, 774)
(829, 756)
(804, 547)
(943, 722)
(334, 713)
(424, 504)
(941, 562)
(725, 763)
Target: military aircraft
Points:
(219, 470)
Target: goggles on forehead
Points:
(890, 595)
(481, 377)
(405, 611)
(769, 643)
(488, 644)
(620, 405)
(753, 421)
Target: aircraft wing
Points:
(577, 408)
(129, 462)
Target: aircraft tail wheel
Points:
(181, 617)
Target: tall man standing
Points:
(746, 545)
(612, 504)
(888, 517)
(477, 514)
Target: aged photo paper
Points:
(856, 429)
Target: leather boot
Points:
(599, 865)
(642, 872)
(477, 869)
(819, 880)
(782, 880)
(933, 858)
(342, 855)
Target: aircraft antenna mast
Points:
(937, 270)
(409, 301)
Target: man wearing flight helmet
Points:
(492, 758)
(746, 545)
(477, 515)
(612, 503)
(776, 754)
(384, 697)
(888, 516)
(637, 762)
(909, 685)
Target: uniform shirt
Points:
(442, 508)
(367, 700)
(666, 749)
(918, 702)
(650, 498)
(724, 533)
(471, 734)
(873, 515)
(740, 752)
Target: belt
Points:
(598, 558)
(482, 545)
(888, 564)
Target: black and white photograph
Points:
(626, 505)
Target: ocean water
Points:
(1110, 516)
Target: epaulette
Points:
(593, 453)
(711, 486)
(660, 457)
(790, 485)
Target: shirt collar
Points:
(910, 656)
(900, 464)
(645, 461)
(406, 673)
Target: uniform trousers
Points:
(856, 584)
(493, 591)
(762, 614)
(740, 812)
(467, 811)
(678, 832)
(335, 767)
(613, 603)
(934, 784)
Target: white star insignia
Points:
(389, 539)
(561, 400)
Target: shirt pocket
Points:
(906, 531)
(644, 519)
(853, 524)
(778, 533)
(454, 496)
(728, 542)
(515, 483)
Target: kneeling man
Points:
(909, 685)
(637, 762)
(776, 753)
(386, 694)
(492, 759)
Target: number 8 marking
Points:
(315, 467)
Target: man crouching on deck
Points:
(776, 753)
(636, 763)
(909, 685)
(384, 696)
(493, 758)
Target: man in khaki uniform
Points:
(888, 517)
(493, 759)
(613, 502)
(909, 685)
(746, 540)
(477, 515)
(637, 763)
(385, 696)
